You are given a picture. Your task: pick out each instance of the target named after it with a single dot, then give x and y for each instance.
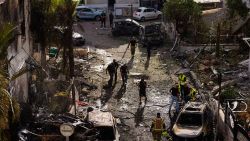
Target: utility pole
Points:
(131, 14)
(218, 41)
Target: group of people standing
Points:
(112, 70)
(179, 91)
(103, 19)
(182, 91)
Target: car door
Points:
(146, 13)
(85, 13)
(129, 28)
(154, 14)
(151, 13)
(122, 28)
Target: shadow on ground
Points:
(139, 115)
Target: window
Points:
(86, 10)
(138, 10)
(187, 119)
(150, 10)
(147, 10)
(106, 133)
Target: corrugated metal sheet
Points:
(206, 1)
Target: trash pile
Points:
(46, 126)
(53, 103)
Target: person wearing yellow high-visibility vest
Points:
(182, 81)
(157, 127)
(192, 94)
(182, 86)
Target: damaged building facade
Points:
(17, 12)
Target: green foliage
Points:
(9, 109)
(237, 7)
(6, 34)
(228, 93)
(182, 13)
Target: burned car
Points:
(152, 34)
(125, 27)
(78, 39)
(105, 123)
(193, 122)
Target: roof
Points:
(206, 1)
(128, 19)
(142, 7)
(194, 107)
(100, 118)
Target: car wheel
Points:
(159, 17)
(142, 19)
(97, 18)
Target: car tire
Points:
(97, 18)
(142, 19)
(159, 16)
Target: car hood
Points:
(187, 132)
(76, 35)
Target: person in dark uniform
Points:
(111, 17)
(142, 89)
(124, 73)
(103, 20)
(175, 97)
(132, 44)
(148, 51)
(116, 67)
(112, 70)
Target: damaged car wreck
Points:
(95, 126)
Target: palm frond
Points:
(6, 34)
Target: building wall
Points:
(20, 49)
(97, 3)
(123, 7)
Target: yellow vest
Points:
(158, 124)
(193, 93)
(182, 79)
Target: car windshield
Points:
(138, 10)
(190, 119)
(106, 133)
(150, 29)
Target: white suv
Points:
(143, 13)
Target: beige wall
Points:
(127, 1)
(96, 1)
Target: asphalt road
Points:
(135, 119)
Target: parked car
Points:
(105, 123)
(84, 12)
(193, 122)
(143, 13)
(151, 34)
(125, 27)
(77, 38)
